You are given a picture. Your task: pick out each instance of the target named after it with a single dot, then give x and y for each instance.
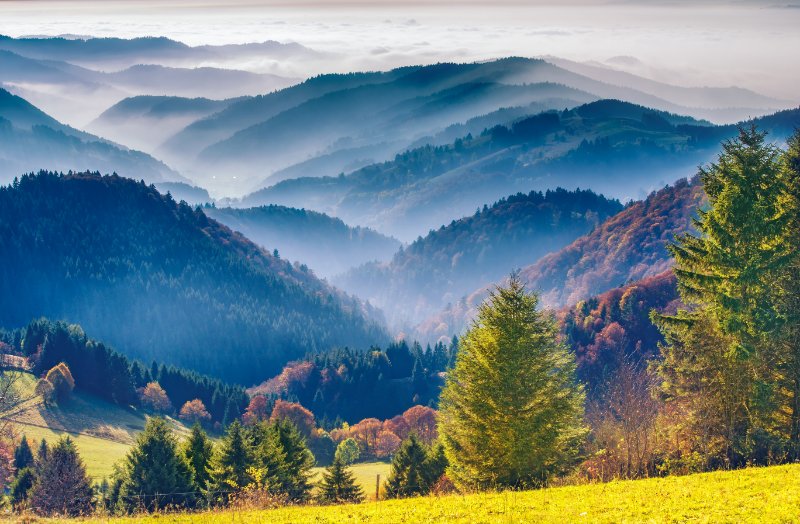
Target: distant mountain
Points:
(31, 140)
(615, 148)
(120, 53)
(723, 105)
(473, 251)
(145, 122)
(627, 247)
(190, 194)
(161, 280)
(327, 245)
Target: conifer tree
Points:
(408, 476)
(720, 360)
(230, 463)
(41, 454)
(339, 485)
(511, 411)
(62, 487)
(23, 456)
(155, 474)
(20, 489)
(270, 457)
(789, 295)
(299, 461)
(198, 451)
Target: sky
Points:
(711, 43)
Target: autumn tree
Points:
(422, 421)
(366, 434)
(155, 398)
(386, 444)
(61, 379)
(194, 411)
(257, 410)
(302, 418)
(339, 485)
(62, 486)
(511, 411)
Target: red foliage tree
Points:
(422, 421)
(297, 414)
(154, 397)
(256, 411)
(386, 444)
(398, 426)
(194, 411)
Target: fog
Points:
(748, 44)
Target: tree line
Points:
(107, 374)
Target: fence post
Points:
(377, 487)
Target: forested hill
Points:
(473, 251)
(30, 140)
(627, 247)
(158, 279)
(616, 148)
(327, 245)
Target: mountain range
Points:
(160, 280)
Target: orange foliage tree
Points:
(194, 411)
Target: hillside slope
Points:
(327, 245)
(612, 147)
(158, 279)
(102, 432)
(465, 254)
(31, 140)
(628, 247)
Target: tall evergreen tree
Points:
(269, 456)
(299, 461)
(23, 456)
(62, 487)
(155, 474)
(511, 411)
(339, 485)
(789, 295)
(727, 273)
(230, 463)
(198, 451)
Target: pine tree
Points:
(720, 359)
(62, 487)
(23, 456)
(155, 473)
(198, 451)
(511, 410)
(41, 454)
(299, 461)
(270, 457)
(789, 296)
(339, 485)
(21, 488)
(230, 462)
(407, 477)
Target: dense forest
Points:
(107, 374)
(325, 244)
(160, 280)
(350, 385)
(467, 253)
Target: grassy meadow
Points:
(750, 495)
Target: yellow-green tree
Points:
(511, 412)
(721, 360)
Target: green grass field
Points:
(751, 495)
(103, 432)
